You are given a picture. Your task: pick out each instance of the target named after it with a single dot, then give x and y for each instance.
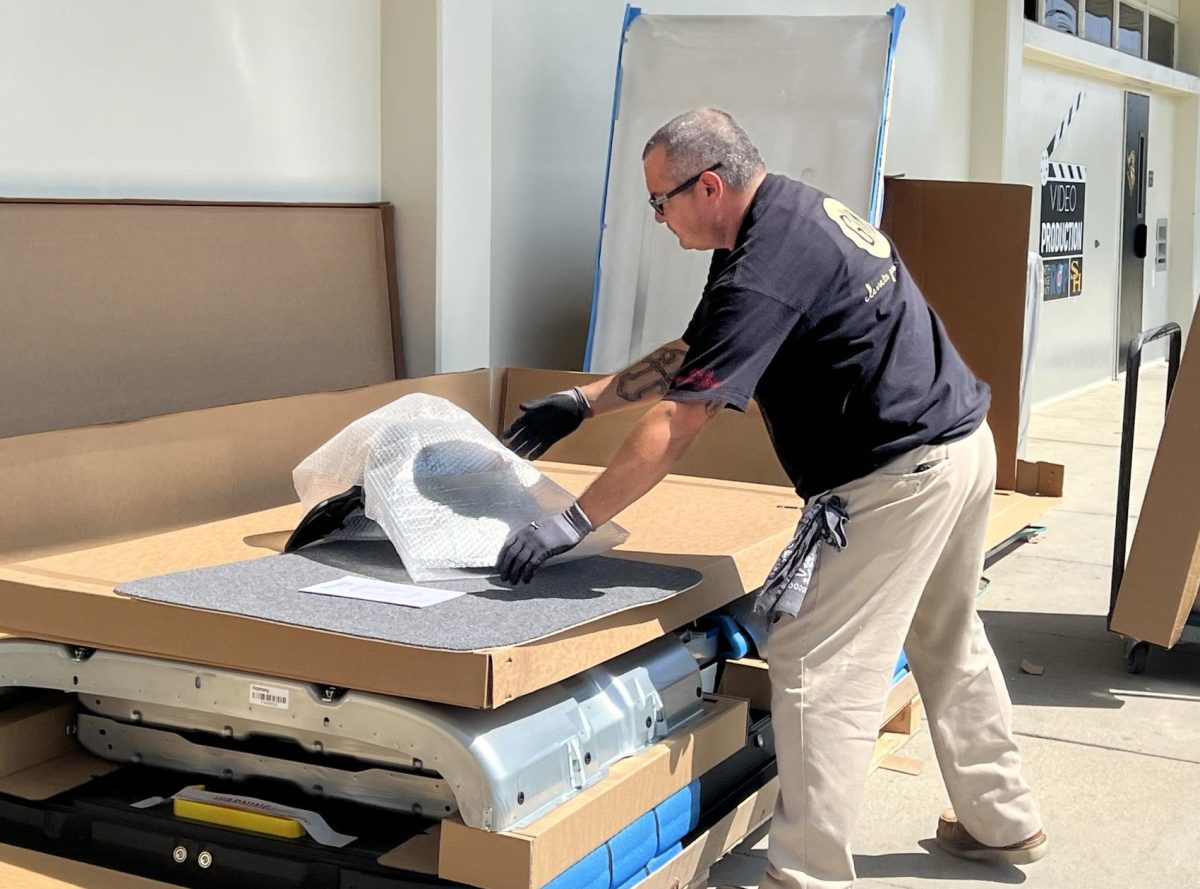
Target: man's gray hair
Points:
(696, 140)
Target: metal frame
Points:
(1136, 652)
(504, 767)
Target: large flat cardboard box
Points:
(1162, 576)
(729, 530)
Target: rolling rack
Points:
(1137, 651)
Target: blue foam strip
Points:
(663, 857)
(631, 13)
(901, 667)
(677, 816)
(897, 14)
(630, 849)
(732, 631)
(592, 872)
(634, 880)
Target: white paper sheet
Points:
(350, 587)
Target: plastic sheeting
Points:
(811, 92)
(439, 485)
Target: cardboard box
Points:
(118, 310)
(25, 869)
(730, 531)
(966, 245)
(1162, 575)
(529, 857)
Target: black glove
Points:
(545, 421)
(525, 551)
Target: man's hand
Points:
(546, 421)
(525, 551)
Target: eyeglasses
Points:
(659, 202)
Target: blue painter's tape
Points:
(677, 816)
(632, 848)
(631, 13)
(592, 872)
(897, 16)
(901, 668)
(663, 857)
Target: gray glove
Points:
(545, 421)
(525, 551)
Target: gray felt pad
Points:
(491, 615)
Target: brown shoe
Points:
(953, 838)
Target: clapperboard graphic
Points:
(1060, 234)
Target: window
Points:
(1131, 23)
(1062, 15)
(1126, 25)
(1162, 42)
(1098, 21)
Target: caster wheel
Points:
(1136, 655)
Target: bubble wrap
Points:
(439, 485)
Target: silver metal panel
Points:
(504, 767)
(402, 791)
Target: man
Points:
(881, 427)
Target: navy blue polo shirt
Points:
(813, 314)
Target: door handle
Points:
(1139, 240)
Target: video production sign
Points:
(1060, 236)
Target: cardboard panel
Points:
(117, 311)
(966, 245)
(74, 488)
(733, 446)
(24, 869)
(531, 856)
(1162, 575)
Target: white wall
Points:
(553, 74)
(217, 99)
(1076, 337)
(409, 166)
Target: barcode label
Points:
(267, 696)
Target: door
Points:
(1133, 223)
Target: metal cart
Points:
(1137, 651)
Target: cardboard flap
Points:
(966, 245)
(733, 446)
(124, 310)
(81, 487)
(1158, 589)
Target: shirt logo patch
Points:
(860, 232)
(700, 379)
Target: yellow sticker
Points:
(862, 233)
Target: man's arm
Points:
(553, 417)
(641, 382)
(656, 443)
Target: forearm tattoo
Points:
(650, 376)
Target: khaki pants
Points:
(908, 577)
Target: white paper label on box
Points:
(382, 591)
(268, 696)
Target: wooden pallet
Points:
(901, 721)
